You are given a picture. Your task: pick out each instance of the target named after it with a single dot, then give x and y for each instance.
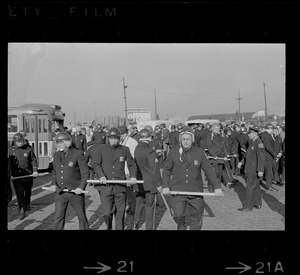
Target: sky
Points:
(189, 79)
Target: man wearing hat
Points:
(269, 143)
(131, 143)
(146, 192)
(79, 140)
(182, 172)
(99, 135)
(254, 163)
(109, 164)
(173, 137)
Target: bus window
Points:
(40, 149)
(45, 125)
(26, 125)
(32, 125)
(45, 149)
(40, 125)
(12, 123)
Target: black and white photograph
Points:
(227, 99)
(166, 118)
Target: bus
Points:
(203, 121)
(39, 122)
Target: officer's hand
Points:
(103, 180)
(133, 181)
(235, 155)
(52, 188)
(239, 165)
(159, 189)
(166, 191)
(219, 192)
(35, 174)
(260, 174)
(78, 191)
(279, 155)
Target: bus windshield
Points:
(56, 124)
(12, 124)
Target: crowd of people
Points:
(132, 167)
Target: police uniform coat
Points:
(99, 137)
(147, 163)
(23, 160)
(72, 172)
(79, 142)
(255, 157)
(269, 143)
(110, 163)
(186, 174)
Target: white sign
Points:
(138, 114)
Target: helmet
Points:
(180, 126)
(78, 128)
(63, 136)
(187, 130)
(123, 129)
(145, 134)
(18, 137)
(157, 127)
(149, 127)
(99, 127)
(173, 127)
(114, 132)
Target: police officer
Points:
(254, 163)
(173, 137)
(99, 135)
(216, 152)
(23, 162)
(269, 143)
(147, 163)
(70, 173)
(131, 143)
(182, 172)
(79, 140)
(109, 164)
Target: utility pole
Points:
(239, 99)
(155, 105)
(124, 87)
(74, 118)
(266, 112)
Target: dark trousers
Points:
(131, 200)
(253, 193)
(276, 170)
(113, 203)
(269, 173)
(188, 205)
(221, 172)
(61, 204)
(147, 200)
(23, 192)
(233, 163)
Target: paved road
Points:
(220, 213)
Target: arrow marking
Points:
(101, 268)
(244, 267)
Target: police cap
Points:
(123, 129)
(63, 136)
(18, 137)
(114, 132)
(145, 134)
(253, 128)
(149, 127)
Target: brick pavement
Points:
(220, 212)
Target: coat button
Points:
(61, 177)
(186, 181)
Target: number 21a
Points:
(261, 265)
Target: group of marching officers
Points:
(129, 168)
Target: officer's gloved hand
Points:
(239, 165)
(35, 174)
(260, 174)
(78, 191)
(159, 189)
(103, 180)
(52, 188)
(166, 191)
(133, 181)
(219, 192)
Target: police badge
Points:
(121, 158)
(196, 162)
(71, 164)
